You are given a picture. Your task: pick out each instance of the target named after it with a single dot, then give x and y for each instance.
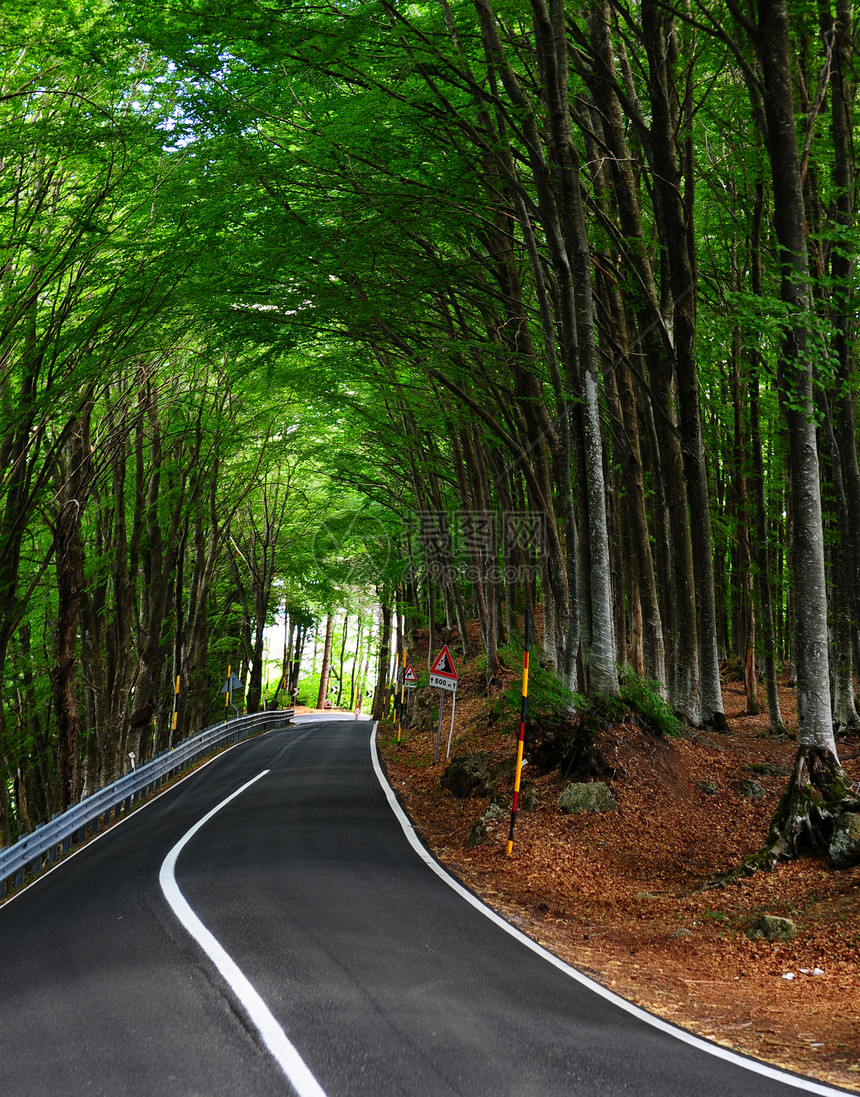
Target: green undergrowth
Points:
(562, 728)
(642, 698)
(638, 698)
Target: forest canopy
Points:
(450, 309)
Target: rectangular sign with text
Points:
(442, 681)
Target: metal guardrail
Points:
(32, 852)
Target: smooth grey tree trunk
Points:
(326, 661)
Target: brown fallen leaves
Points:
(617, 895)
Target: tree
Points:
(817, 787)
(530, 340)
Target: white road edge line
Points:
(274, 1037)
(805, 1084)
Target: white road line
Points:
(274, 1037)
(805, 1084)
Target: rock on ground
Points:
(466, 773)
(593, 796)
(482, 831)
(771, 928)
(845, 843)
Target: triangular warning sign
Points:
(444, 665)
(409, 675)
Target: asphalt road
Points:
(375, 975)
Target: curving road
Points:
(268, 927)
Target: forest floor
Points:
(617, 895)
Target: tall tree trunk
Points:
(675, 214)
(653, 340)
(379, 694)
(296, 668)
(356, 663)
(326, 661)
(69, 564)
(762, 554)
(762, 532)
(844, 438)
(648, 647)
(747, 607)
(845, 715)
(341, 658)
(816, 789)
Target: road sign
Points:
(410, 679)
(443, 674)
(231, 684)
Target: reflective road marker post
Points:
(394, 689)
(394, 692)
(175, 713)
(519, 769)
(402, 691)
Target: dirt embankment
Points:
(617, 895)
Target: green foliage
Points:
(639, 697)
(309, 689)
(551, 708)
(549, 701)
(262, 245)
(563, 728)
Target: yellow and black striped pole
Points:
(518, 770)
(227, 692)
(402, 691)
(394, 692)
(175, 712)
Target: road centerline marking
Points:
(274, 1037)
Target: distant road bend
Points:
(271, 925)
